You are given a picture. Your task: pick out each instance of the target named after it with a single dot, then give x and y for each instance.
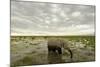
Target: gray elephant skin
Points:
(56, 45)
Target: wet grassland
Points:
(32, 50)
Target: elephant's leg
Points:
(54, 50)
(59, 50)
(49, 49)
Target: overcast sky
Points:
(36, 18)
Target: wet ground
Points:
(35, 52)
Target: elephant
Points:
(56, 45)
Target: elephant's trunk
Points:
(71, 54)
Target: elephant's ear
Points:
(65, 44)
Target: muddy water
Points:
(37, 53)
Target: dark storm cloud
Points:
(49, 19)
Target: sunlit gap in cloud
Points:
(48, 19)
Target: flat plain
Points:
(32, 50)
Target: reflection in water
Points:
(54, 58)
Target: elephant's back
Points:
(54, 42)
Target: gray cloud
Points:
(33, 18)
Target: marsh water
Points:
(28, 51)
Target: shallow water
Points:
(35, 52)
